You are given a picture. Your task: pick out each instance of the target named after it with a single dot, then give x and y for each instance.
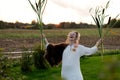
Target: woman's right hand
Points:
(98, 42)
(45, 39)
(43, 35)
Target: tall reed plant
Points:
(99, 17)
(39, 8)
(38, 55)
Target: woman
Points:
(71, 56)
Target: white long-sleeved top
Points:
(71, 61)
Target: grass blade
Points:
(107, 5)
(32, 6)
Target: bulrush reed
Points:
(99, 15)
(39, 8)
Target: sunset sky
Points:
(56, 11)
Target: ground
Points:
(29, 43)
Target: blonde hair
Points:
(77, 37)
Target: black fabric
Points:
(54, 53)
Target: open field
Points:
(93, 67)
(17, 39)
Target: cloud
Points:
(62, 3)
(55, 11)
(81, 7)
(73, 5)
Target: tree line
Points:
(34, 25)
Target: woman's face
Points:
(72, 37)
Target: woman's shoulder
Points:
(80, 45)
(57, 44)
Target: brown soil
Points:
(21, 44)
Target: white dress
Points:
(71, 61)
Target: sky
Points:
(56, 11)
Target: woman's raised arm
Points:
(98, 42)
(45, 40)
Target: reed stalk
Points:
(99, 18)
(39, 8)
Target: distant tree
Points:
(117, 25)
(33, 22)
(67, 25)
(72, 25)
(49, 26)
(2, 25)
(61, 25)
